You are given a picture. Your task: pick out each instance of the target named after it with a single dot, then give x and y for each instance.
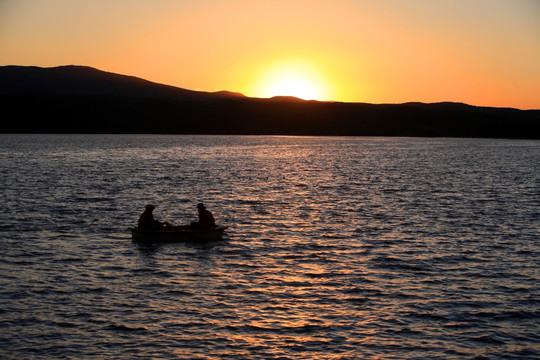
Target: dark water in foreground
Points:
(338, 248)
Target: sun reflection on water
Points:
(419, 248)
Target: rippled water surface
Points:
(337, 248)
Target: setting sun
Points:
(293, 86)
(292, 78)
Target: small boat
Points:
(177, 234)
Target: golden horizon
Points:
(483, 53)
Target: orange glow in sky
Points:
(482, 52)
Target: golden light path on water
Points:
(337, 247)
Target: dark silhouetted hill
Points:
(83, 80)
(84, 100)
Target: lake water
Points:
(337, 248)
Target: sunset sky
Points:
(481, 52)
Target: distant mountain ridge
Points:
(78, 99)
(84, 80)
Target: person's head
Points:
(150, 207)
(200, 206)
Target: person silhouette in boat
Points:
(147, 221)
(206, 219)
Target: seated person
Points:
(147, 221)
(206, 219)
